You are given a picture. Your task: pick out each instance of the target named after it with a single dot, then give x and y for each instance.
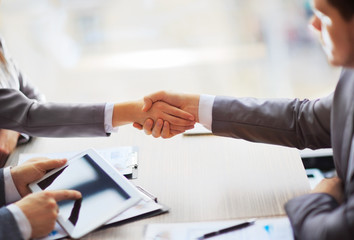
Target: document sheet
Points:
(265, 229)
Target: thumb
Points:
(51, 164)
(150, 99)
(137, 126)
(147, 104)
(60, 195)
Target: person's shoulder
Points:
(347, 73)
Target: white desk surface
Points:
(201, 178)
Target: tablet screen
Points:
(98, 192)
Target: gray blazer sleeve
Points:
(294, 123)
(17, 112)
(319, 216)
(8, 225)
(28, 89)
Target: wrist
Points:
(21, 220)
(127, 112)
(11, 191)
(15, 180)
(192, 105)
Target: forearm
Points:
(288, 122)
(50, 119)
(318, 216)
(127, 112)
(11, 192)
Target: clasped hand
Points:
(184, 105)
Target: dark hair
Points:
(345, 7)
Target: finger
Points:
(147, 104)
(149, 123)
(176, 112)
(60, 195)
(156, 131)
(166, 130)
(177, 121)
(150, 99)
(48, 164)
(138, 126)
(181, 128)
(36, 159)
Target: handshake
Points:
(162, 114)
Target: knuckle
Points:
(155, 134)
(47, 194)
(54, 215)
(52, 204)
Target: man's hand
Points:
(128, 112)
(186, 102)
(31, 171)
(331, 186)
(8, 142)
(41, 209)
(160, 129)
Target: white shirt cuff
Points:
(24, 138)
(206, 110)
(11, 193)
(22, 222)
(108, 116)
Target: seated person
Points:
(327, 212)
(35, 214)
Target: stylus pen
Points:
(228, 229)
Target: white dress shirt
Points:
(205, 111)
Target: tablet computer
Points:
(105, 192)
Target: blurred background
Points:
(111, 50)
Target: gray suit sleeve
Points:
(17, 112)
(294, 123)
(2, 188)
(28, 89)
(319, 216)
(8, 225)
